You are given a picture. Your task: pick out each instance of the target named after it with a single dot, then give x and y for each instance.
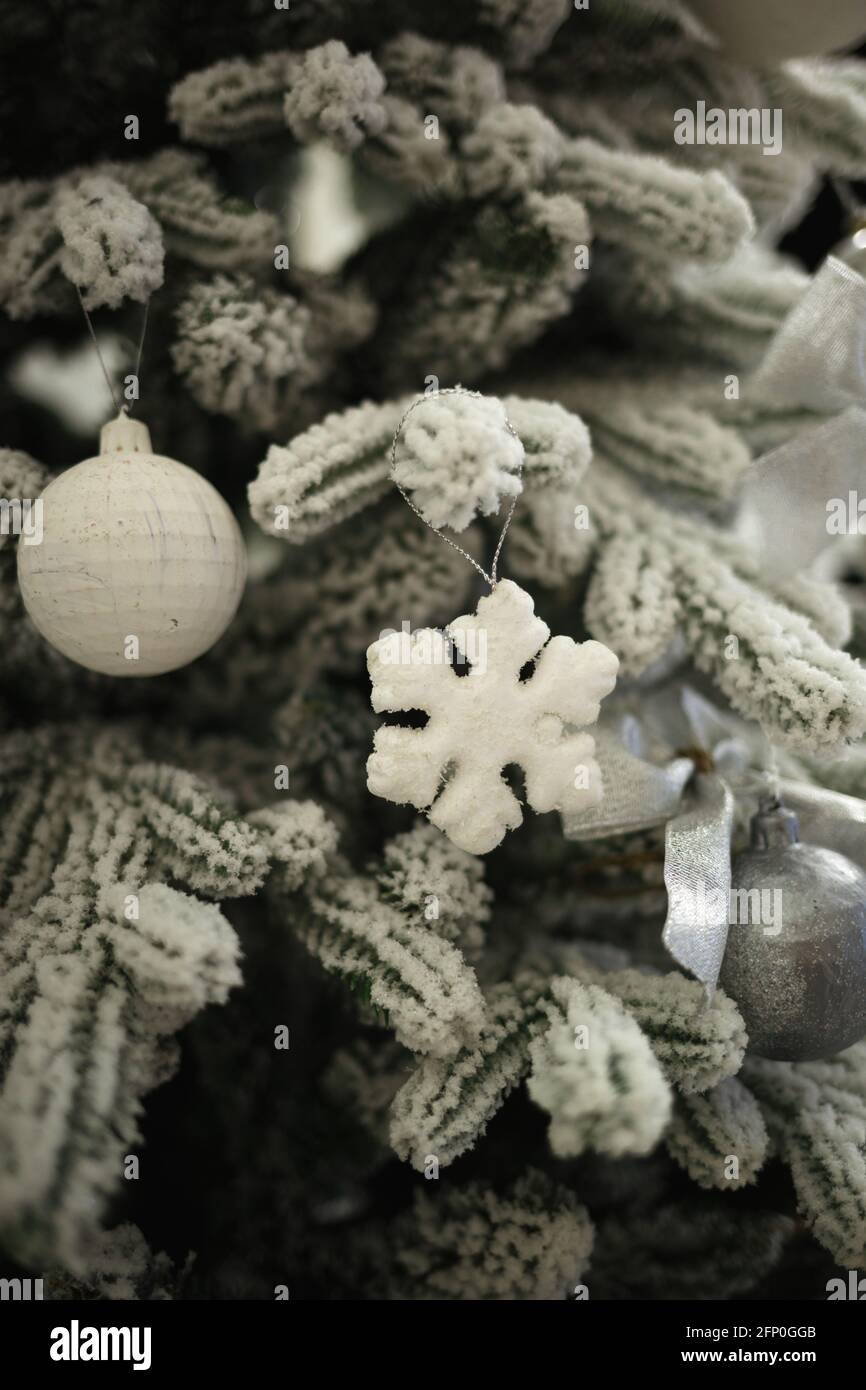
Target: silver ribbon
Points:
(638, 794)
(817, 359)
(648, 783)
(698, 880)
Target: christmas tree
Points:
(306, 994)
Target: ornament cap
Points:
(774, 825)
(125, 436)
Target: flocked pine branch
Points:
(663, 441)
(510, 151)
(102, 962)
(89, 229)
(329, 728)
(417, 981)
(454, 82)
(233, 100)
(21, 478)
(653, 207)
(719, 1137)
(402, 153)
(632, 599)
(299, 840)
(95, 981)
(326, 93)
(386, 951)
(531, 1241)
(697, 1044)
(824, 101)
(822, 602)
(103, 228)
(112, 245)
(254, 353)
(422, 871)
(786, 676)
(594, 1071)
(335, 95)
(323, 93)
(341, 465)
(199, 222)
(242, 349)
(377, 573)
(242, 99)
(479, 290)
(483, 145)
(653, 393)
(36, 802)
(519, 33)
(194, 833)
(816, 1112)
(544, 544)
(445, 1105)
(326, 474)
(30, 279)
(118, 1265)
(458, 459)
(198, 836)
(724, 314)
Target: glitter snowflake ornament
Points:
(488, 718)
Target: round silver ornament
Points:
(795, 961)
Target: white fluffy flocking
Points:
(459, 457)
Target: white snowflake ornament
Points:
(481, 722)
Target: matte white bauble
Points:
(769, 31)
(141, 565)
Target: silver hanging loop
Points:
(490, 578)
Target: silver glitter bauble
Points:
(795, 961)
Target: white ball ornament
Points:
(141, 565)
(773, 30)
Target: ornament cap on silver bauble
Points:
(141, 564)
(795, 961)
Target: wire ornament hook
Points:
(490, 578)
(122, 408)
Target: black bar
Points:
(250, 1337)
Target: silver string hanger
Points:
(122, 408)
(490, 578)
